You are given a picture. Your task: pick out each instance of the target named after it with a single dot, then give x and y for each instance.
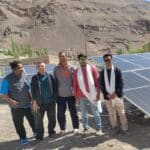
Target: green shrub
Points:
(143, 49)
(17, 50)
(120, 51)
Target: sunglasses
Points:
(106, 60)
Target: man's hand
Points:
(113, 95)
(35, 107)
(97, 96)
(77, 100)
(12, 102)
(109, 96)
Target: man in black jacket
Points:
(42, 88)
(111, 82)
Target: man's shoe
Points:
(36, 141)
(63, 132)
(125, 133)
(76, 131)
(85, 131)
(24, 141)
(34, 134)
(99, 132)
(115, 130)
(52, 134)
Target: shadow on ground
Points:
(139, 130)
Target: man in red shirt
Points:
(86, 90)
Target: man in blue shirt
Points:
(42, 88)
(15, 90)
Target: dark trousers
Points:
(18, 118)
(51, 115)
(61, 109)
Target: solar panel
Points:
(97, 59)
(29, 70)
(7, 70)
(146, 55)
(50, 68)
(131, 80)
(130, 57)
(136, 74)
(144, 73)
(118, 61)
(126, 66)
(29, 77)
(143, 62)
(140, 98)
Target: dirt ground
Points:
(139, 130)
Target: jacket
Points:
(35, 87)
(118, 83)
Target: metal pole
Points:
(84, 29)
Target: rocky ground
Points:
(139, 130)
(61, 24)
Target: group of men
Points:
(65, 88)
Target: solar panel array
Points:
(136, 74)
(29, 71)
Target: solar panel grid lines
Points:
(7, 70)
(145, 72)
(132, 80)
(130, 89)
(129, 61)
(129, 57)
(128, 98)
(145, 55)
(49, 68)
(29, 71)
(140, 98)
(141, 76)
(136, 75)
(136, 70)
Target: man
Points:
(112, 88)
(86, 90)
(42, 88)
(63, 74)
(15, 90)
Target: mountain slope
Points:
(67, 24)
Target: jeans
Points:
(18, 116)
(51, 115)
(84, 103)
(61, 109)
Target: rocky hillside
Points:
(67, 24)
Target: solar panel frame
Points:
(30, 69)
(129, 57)
(145, 73)
(141, 72)
(140, 98)
(132, 80)
(144, 62)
